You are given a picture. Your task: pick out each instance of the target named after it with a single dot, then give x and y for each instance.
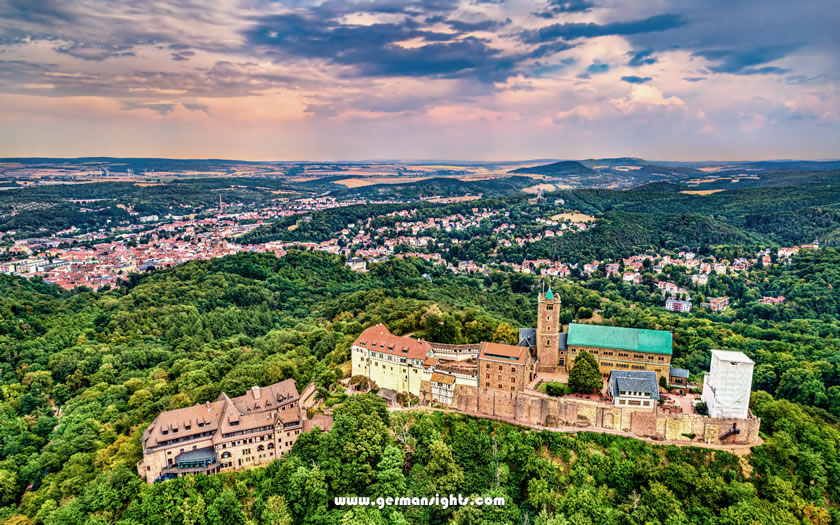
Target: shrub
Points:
(555, 389)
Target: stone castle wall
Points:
(534, 409)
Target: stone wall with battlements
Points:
(536, 409)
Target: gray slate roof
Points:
(196, 455)
(633, 381)
(527, 337)
(678, 372)
(561, 341)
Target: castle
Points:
(492, 379)
(404, 364)
(226, 434)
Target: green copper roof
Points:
(549, 295)
(632, 339)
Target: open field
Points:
(700, 192)
(574, 217)
(537, 187)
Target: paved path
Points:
(740, 450)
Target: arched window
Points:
(260, 448)
(225, 455)
(270, 446)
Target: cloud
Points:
(641, 58)
(182, 55)
(746, 62)
(374, 75)
(195, 107)
(96, 52)
(632, 79)
(161, 108)
(374, 50)
(813, 107)
(571, 31)
(645, 96)
(557, 7)
(37, 11)
(597, 68)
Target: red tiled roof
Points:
(503, 353)
(377, 338)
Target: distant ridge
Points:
(558, 169)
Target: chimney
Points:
(256, 391)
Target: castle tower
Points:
(548, 332)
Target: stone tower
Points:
(548, 332)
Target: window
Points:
(512, 388)
(549, 307)
(513, 369)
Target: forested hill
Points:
(84, 373)
(440, 187)
(654, 217)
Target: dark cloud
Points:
(551, 48)
(373, 51)
(95, 52)
(641, 58)
(632, 79)
(182, 55)
(694, 79)
(195, 107)
(572, 31)
(484, 25)
(804, 79)
(36, 11)
(332, 9)
(160, 108)
(556, 7)
(746, 62)
(597, 68)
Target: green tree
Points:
(585, 375)
(505, 334)
(225, 509)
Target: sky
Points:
(420, 79)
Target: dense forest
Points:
(84, 373)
